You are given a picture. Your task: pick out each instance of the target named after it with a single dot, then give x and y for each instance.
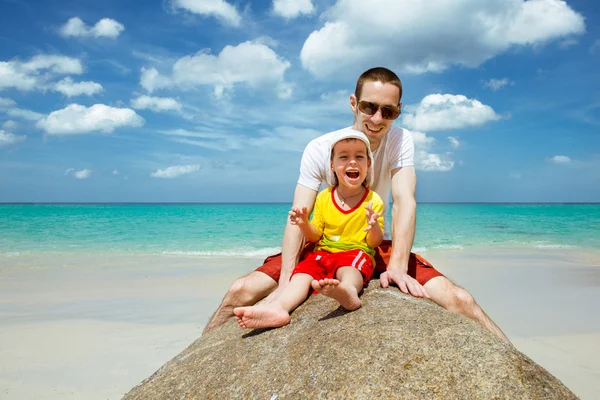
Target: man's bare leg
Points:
(457, 300)
(245, 291)
(276, 313)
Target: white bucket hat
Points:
(350, 134)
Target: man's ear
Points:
(353, 103)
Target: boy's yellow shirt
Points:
(344, 230)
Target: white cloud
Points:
(420, 36)
(454, 142)
(8, 139)
(76, 119)
(438, 112)
(106, 27)
(27, 75)
(24, 114)
(81, 174)
(497, 84)
(559, 160)
(425, 160)
(9, 125)
(595, 47)
(564, 44)
(6, 103)
(250, 62)
(156, 104)
(292, 8)
(219, 9)
(115, 172)
(175, 171)
(70, 88)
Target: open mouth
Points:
(352, 174)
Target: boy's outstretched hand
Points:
(371, 216)
(298, 216)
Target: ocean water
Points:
(256, 229)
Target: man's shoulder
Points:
(398, 133)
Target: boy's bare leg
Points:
(245, 291)
(277, 313)
(457, 300)
(344, 289)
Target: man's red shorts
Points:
(418, 267)
(323, 264)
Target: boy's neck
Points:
(349, 198)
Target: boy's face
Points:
(350, 162)
(375, 126)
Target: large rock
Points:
(395, 346)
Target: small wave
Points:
(449, 246)
(419, 249)
(553, 246)
(241, 252)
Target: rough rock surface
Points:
(395, 346)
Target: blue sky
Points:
(214, 100)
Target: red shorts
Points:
(323, 264)
(418, 267)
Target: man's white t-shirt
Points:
(396, 150)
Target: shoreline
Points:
(93, 326)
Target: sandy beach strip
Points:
(93, 326)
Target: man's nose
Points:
(377, 116)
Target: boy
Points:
(343, 258)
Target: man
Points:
(375, 104)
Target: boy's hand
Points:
(371, 216)
(298, 216)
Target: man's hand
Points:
(406, 283)
(298, 216)
(371, 217)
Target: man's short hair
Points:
(377, 74)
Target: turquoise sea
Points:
(256, 229)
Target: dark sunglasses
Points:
(387, 112)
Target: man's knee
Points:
(462, 301)
(249, 289)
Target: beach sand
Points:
(93, 326)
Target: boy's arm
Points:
(374, 223)
(404, 210)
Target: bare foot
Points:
(267, 316)
(346, 295)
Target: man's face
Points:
(375, 126)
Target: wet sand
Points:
(94, 326)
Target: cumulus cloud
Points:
(9, 125)
(561, 160)
(418, 36)
(76, 119)
(219, 9)
(595, 47)
(454, 142)
(290, 9)
(175, 171)
(497, 84)
(24, 114)
(425, 160)
(34, 73)
(106, 27)
(438, 112)
(81, 174)
(6, 103)
(71, 89)
(252, 63)
(156, 104)
(9, 139)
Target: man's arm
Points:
(293, 239)
(404, 221)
